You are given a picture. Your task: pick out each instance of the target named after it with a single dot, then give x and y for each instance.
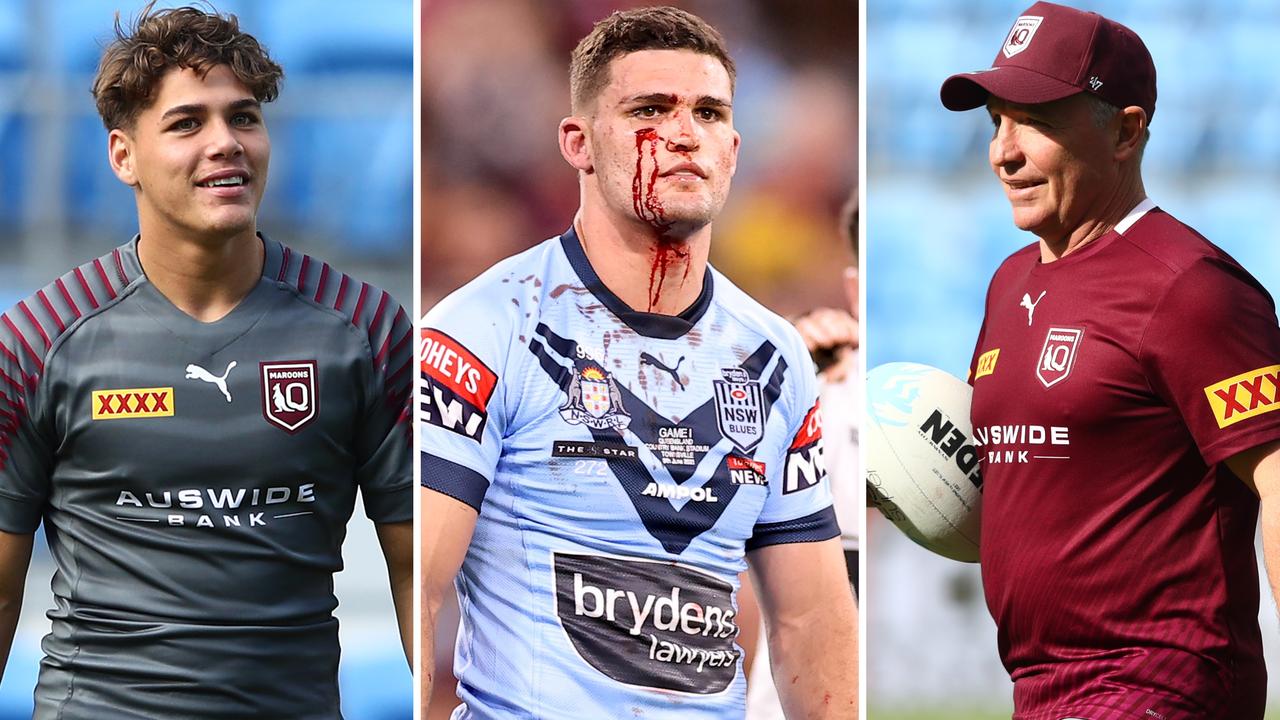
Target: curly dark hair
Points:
(187, 37)
(628, 31)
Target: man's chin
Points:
(1028, 219)
(688, 216)
(225, 227)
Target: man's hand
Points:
(397, 547)
(446, 529)
(15, 557)
(831, 336)
(812, 625)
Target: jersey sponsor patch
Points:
(446, 361)
(1058, 355)
(647, 623)
(745, 471)
(739, 409)
(289, 398)
(132, 403)
(599, 450)
(805, 467)
(456, 387)
(1245, 395)
(986, 363)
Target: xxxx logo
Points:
(1245, 395)
(986, 363)
(132, 403)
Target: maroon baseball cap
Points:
(1052, 52)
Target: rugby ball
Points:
(922, 464)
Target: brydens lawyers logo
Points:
(1024, 28)
(289, 398)
(647, 623)
(1058, 355)
(132, 403)
(1245, 395)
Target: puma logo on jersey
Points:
(1031, 306)
(195, 372)
(647, 359)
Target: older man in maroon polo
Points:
(1132, 366)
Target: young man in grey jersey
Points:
(191, 414)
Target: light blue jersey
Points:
(622, 463)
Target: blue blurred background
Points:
(341, 188)
(938, 225)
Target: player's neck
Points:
(204, 279)
(649, 271)
(1098, 222)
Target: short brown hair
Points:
(628, 31)
(186, 37)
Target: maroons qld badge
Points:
(289, 398)
(1058, 355)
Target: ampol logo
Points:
(1058, 355)
(289, 398)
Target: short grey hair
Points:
(1102, 113)
(1101, 110)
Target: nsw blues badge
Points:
(739, 408)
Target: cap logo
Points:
(1094, 83)
(1024, 28)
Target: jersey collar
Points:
(1134, 215)
(654, 325)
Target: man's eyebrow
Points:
(189, 109)
(200, 109)
(669, 99)
(652, 99)
(712, 101)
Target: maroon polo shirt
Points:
(1117, 547)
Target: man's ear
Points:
(1132, 132)
(574, 147)
(120, 154)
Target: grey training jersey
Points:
(195, 480)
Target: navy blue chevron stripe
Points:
(674, 529)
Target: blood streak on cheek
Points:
(648, 207)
